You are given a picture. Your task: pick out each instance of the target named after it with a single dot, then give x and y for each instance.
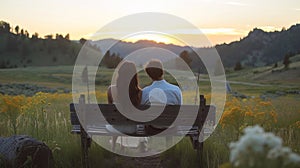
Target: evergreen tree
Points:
(82, 41)
(238, 66)
(67, 37)
(17, 30)
(185, 56)
(22, 32)
(4, 27)
(286, 61)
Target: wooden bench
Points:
(114, 117)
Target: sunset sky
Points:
(221, 20)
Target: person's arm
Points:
(179, 93)
(109, 96)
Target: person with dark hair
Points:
(119, 92)
(127, 85)
(160, 91)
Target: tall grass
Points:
(46, 118)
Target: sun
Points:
(158, 38)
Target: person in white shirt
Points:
(160, 91)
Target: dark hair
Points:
(154, 69)
(125, 72)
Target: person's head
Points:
(127, 73)
(154, 69)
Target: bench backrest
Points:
(89, 114)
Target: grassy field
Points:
(45, 116)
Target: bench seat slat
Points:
(101, 130)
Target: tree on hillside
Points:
(105, 58)
(35, 36)
(49, 37)
(58, 37)
(17, 29)
(111, 61)
(67, 37)
(26, 33)
(4, 27)
(82, 41)
(286, 61)
(238, 66)
(115, 59)
(186, 57)
(22, 32)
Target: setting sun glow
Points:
(158, 38)
(221, 20)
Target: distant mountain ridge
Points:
(258, 48)
(124, 48)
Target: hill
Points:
(18, 49)
(281, 76)
(260, 48)
(124, 48)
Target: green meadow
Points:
(45, 116)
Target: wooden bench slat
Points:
(113, 116)
(101, 130)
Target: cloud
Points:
(298, 9)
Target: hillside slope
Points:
(261, 48)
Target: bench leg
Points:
(200, 154)
(198, 146)
(85, 144)
(113, 143)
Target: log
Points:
(24, 151)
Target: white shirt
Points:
(161, 92)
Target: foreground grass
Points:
(46, 117)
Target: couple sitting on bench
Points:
(159, 92)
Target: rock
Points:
(280, 93)
(293, 92)
(239, 95)
(24, 151)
